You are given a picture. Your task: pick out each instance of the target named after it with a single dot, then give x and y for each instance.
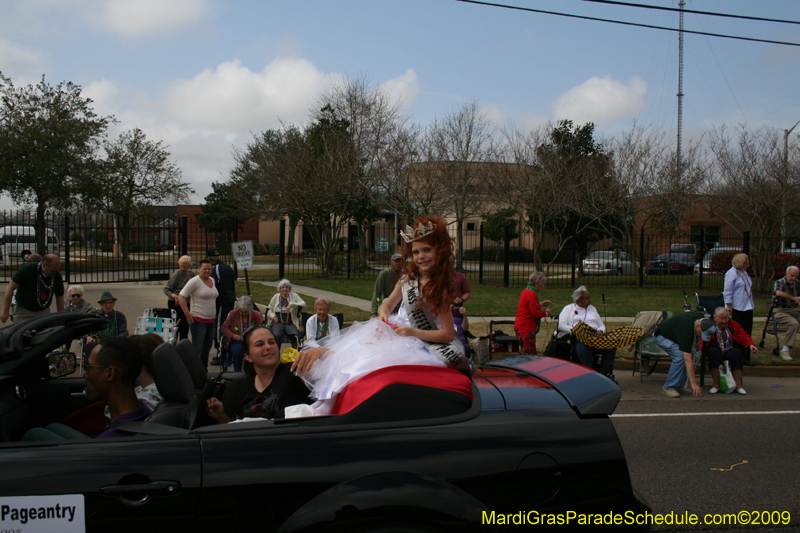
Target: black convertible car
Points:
(534, 438)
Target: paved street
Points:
(671, 445)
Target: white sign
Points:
(243, 253)
(382, 245)
(33, 514)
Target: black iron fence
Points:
(692, 260)
(96, 248)
(103, 248)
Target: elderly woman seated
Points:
(76, 303)
(725, 345)
(581, 310)
(320, 325)
(241, 319)
(283, 313)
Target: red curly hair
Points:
(439, 291)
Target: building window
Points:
(470, 226)
(712, 234)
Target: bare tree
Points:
(460, 146)
(751, 190)
(656, 193)
(374, 118)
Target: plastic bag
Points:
(726, 382)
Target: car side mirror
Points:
(61, 364)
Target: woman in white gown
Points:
(421, 333)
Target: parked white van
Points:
(18, 242)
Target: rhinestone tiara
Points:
(412, 234)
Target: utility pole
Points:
(680, 88)
(785, 182)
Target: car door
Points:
(111, 484)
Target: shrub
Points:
(781, 261)
(721, 262)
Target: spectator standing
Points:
(172, 289)
(463, 292)
(385, 283)
(738, 294)
(284, 314)
(320, 325)
(36, 284)
(530, 312)
(239, 321)
(582, 310)
(787, 308)
(117, 324)
(226, 286)
(677, 336)
(202, 291)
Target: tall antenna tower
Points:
(680, 87)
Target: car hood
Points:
(584, 391)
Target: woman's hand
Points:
(190, 318)
(175, 297)
(306, 359)
(546, 303)
(238, 338)
(275, 319)
(216, 412)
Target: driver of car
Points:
(110, 373)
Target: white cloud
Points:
(138, 18)
(601, 100)
(23, 64)
(406, 87)
(234, 97)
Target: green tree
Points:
(49, 140)
(219, 212)
(312, 174)
(494, 225)
(138, 174)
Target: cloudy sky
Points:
(204, 75)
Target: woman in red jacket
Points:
(530, 312)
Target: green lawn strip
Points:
(490, 300)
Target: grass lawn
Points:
(490, 300)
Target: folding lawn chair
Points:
(153, 321)
(646, 350)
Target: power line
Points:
(583, 17)
(710, 13)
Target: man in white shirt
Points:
(582, 311)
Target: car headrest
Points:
(172, 379)
(191, 359)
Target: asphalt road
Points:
(673, 447)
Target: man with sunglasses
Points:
(110, 373)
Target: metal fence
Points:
(100, 248)
(97, 248)
(692, 260)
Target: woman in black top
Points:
(272, 386)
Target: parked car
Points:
(671, 262)
(607, 263)
(706, 262)
(535, 435)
